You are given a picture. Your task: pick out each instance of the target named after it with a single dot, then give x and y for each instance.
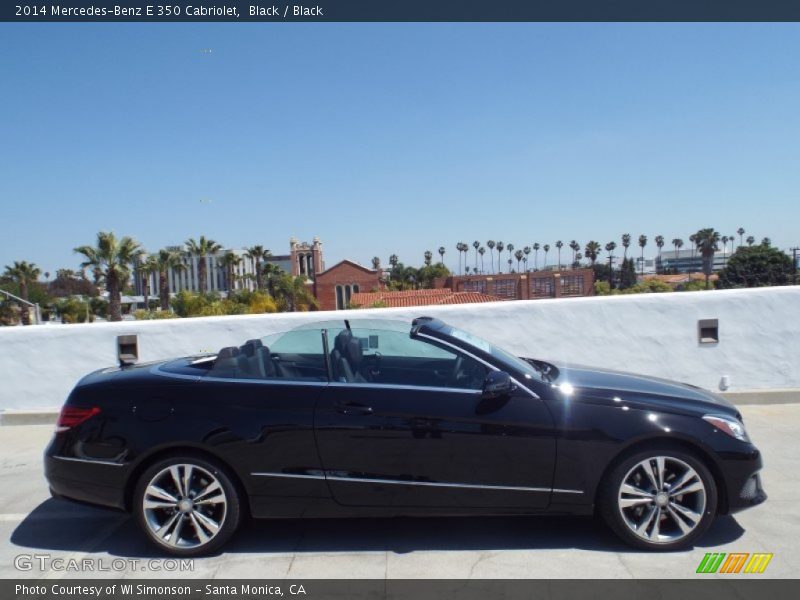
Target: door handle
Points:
(352, 408)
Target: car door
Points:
(408, 426)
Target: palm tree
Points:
(146, 268)
(574, 246)
(724, 247)
(257, 254)
(201, 249)
(659, 244)
(693, 240)
(707, 241)
(546, 249)
(536, 247)
(766, 242)
(294, 291)
(376, 263)
(510, 249)
(741, 233)
(678, 243)
(459, 249)
(229, 262)
(476, 244)
(428, 258)
(164, 261)
(518, 255)
(112, 259)
(394, 260)
(592, 251)
(500, 247)
(559, 245)
(626, 243)
(482, 251)
(274, 275)
(750, 240)
(442, 250)
(24, 274)
(642, 244)
(610, 247)
(490, 245)
(526, 251)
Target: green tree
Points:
(428, 257)
(201, 249)
(442, 251)
(476, 244)
(559, 246)
(490, 244)
(536, 247)
(707, 241)
(145, 268)
(741, 233)
(756, 266)
(482, 251)
(111, 258)
(627, 274)
(500, 246)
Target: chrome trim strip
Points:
(93, 461)
(289, 475)
(417, 483)
(401, 386)
(488, 364)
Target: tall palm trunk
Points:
(163, 290)
(146, 290)
(259, 275)
(114, 300)
(201, 274)
(24, 309)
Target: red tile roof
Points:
(419, 298)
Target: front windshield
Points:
(498, 353)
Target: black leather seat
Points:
(346, 358)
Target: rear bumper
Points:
(98, 484)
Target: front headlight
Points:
(729, 425)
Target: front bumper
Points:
(740, 472)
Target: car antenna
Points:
(347, 324)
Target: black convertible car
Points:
(380, 418)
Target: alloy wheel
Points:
(184, 506)
(662, 499)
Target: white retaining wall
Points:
(654, 334)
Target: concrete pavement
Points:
(524, 547)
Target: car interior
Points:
(353, 359)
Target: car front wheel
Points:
(187, 505)
(659, 499)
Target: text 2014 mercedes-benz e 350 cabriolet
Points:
(380, 418)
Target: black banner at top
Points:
(400, 10)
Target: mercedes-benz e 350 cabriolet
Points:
(382, 418)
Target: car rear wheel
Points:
(187, 505)
(659, 499)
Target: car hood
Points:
(641, 390)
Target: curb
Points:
(29, 417)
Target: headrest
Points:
(354, 353)
(228, 352)
(342, 339)
(250, 347)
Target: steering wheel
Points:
(456, 373)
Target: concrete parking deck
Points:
(523, 547)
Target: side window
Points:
(394, 358)
(293, 356)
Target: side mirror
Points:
(497, 384)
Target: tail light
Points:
(72, 416)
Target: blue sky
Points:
(385, 138)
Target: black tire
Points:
(620, 519)
(203, 472)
